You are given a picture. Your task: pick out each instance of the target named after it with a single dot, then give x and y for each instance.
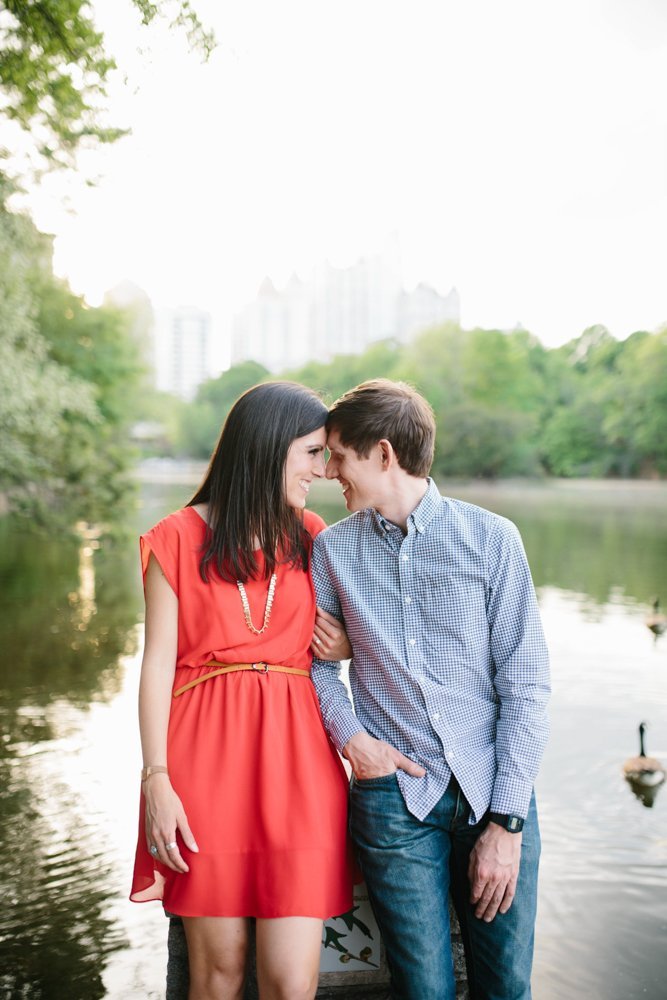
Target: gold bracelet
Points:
(152, 769)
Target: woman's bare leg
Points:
(288, 957)
(217, 949)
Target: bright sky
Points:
(519, 149)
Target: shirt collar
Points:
(427, 508)
(421, 515)
(382, 525)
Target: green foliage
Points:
(68, 378)
(504, 404)
(636, 418)
(54, 71)
(159, 427)
(38, 398)
(94, 344)
(333, 379)
(202, 420)
(573, 443)
(611, 414)
(507, 406)
(490, 442)
(486, 389)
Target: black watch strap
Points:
(512, 823)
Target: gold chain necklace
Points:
(267, 610)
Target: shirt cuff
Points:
(343, 728)
(511, 797)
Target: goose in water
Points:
(642, 770)
(657, 622)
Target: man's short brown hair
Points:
(380, 409)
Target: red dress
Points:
(263, 788)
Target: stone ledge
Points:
(366, 985)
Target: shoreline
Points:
(607, 491)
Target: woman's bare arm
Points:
(164, 811)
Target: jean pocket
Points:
(382, 779)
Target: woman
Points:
(244, 800)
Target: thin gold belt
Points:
(228, 668)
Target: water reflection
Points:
(69, 753)
(84, 597)
(54, 925)
(645, 793)
(62, 647)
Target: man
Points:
(450, 681)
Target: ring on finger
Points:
(171, 846)
(154, 851)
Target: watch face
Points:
(512, 823)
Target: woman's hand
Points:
(330, 641)
(165, 815)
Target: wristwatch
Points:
(512, 823)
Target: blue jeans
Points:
(411, 865)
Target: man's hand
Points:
(493, 871)
(371, 758)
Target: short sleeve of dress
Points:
(313, 523)
(163, 542)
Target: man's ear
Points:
(387, 453)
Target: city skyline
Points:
(337, 311)
(333, 311)
(519, 153)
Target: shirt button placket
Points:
(405, 583)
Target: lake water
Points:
(71, 634)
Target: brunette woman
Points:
(244, 799)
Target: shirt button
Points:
(408, 600)
(405, 558)
(451, 754)
(412, 641)
(435, 716)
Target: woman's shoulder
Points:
(179, 522)
(168, 540)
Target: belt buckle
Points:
(261, 668)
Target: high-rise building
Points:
(275, 328)
(182, 349)
(423, 308)
(136, 304)
(336, 311)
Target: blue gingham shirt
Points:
(449, 660)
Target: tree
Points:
(205, 416)
(486, 390)
(69, 375)
(69, 381)
(54, 72)
(475, 440)
(333, 378)
(95, 345)
(504, 404)
(636, 418)
(611, 407)
(573, 442)
(39, 399)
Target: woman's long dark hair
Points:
(244, 484)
